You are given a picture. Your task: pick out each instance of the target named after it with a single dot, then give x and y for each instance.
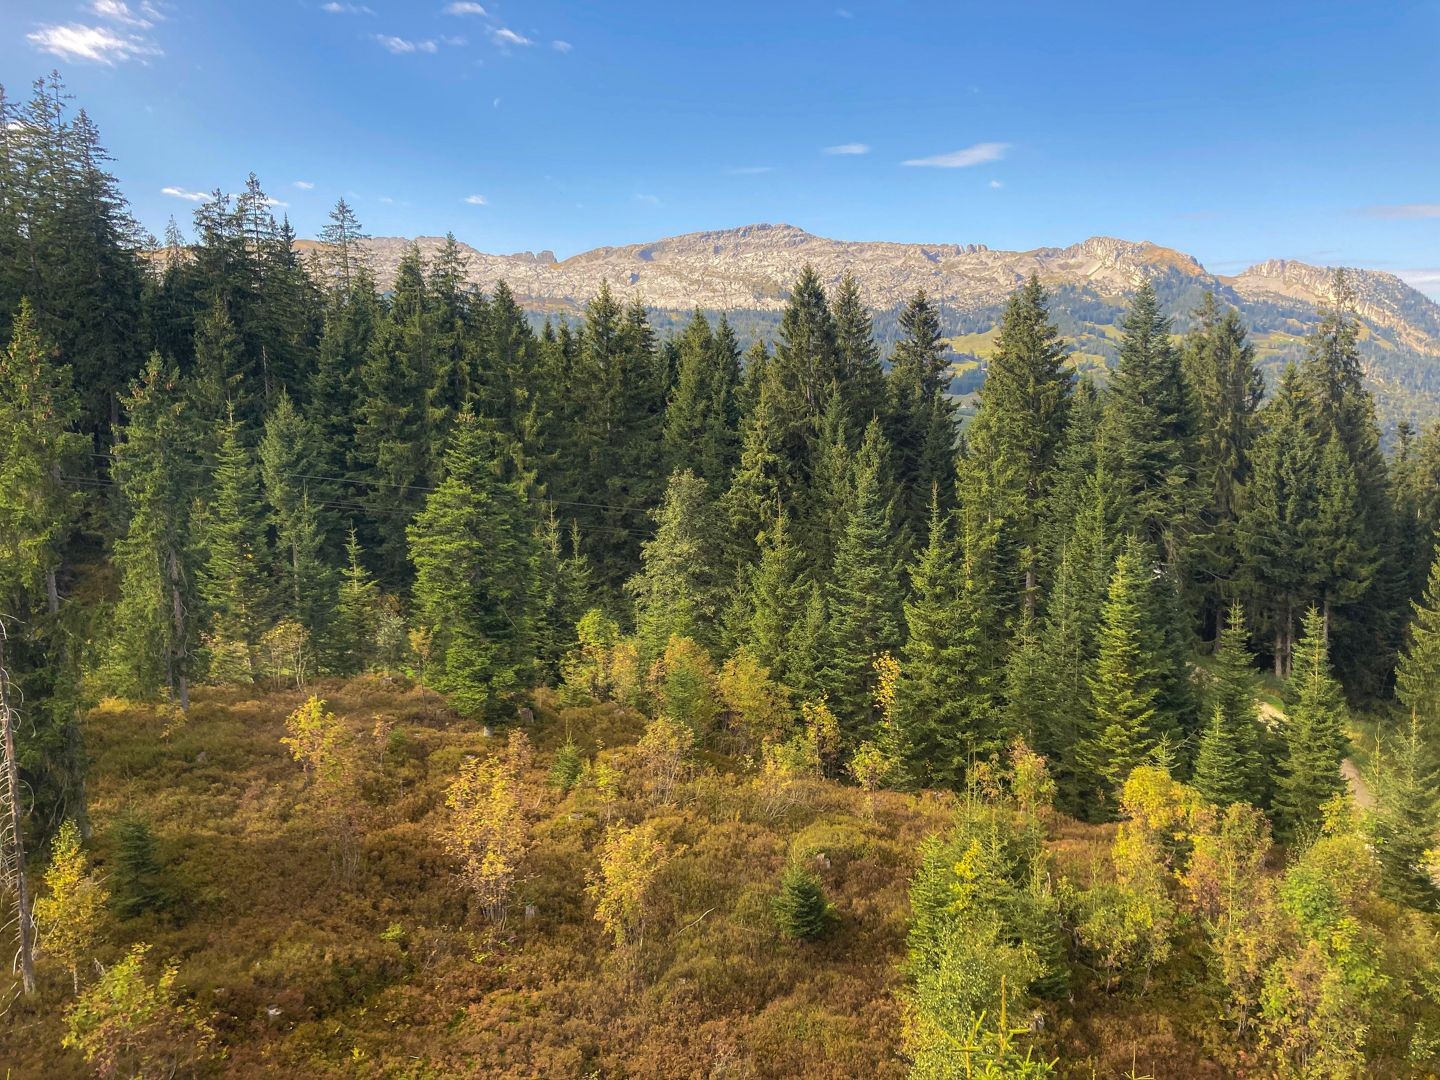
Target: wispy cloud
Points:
(303, 185)
(401, 46)
(476, 200)
(751, 170)
(465, 9)
(96, 44)
(844, 13)
(1424, 278)
(848, 148)
(333, 8)
(386, 199)
(979, 154)
(1404, 211)
(503, 35)
(997, 184)
(653, 200)
(121, 13)
(561, 46)
(184, 193)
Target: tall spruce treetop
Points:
(859, 375)
(1277, 522)
(700, 420)
(1219, 366)
(919, 418)
(1152, 425)
(805, 367)
(1015, 441)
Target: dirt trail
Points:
(1359, 789)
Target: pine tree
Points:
(473, 550)
(1123, 686)
(762, 480)
(775, 600)
(863, 592)
(1314, 732)
(396, 445)
(934, 687)
(1220, 764)
(859, 377)
(805, 369)
(679, 590)
(1406, 824)
(801, 911)
(1015, 441)
(217, 382)
(1230, 701)
(700, 420)
(1417, 677)
(357, 611)
(233, 577)
(1151, 426)
(918, 416)
(289, 457)
(1277, 521)
(1219, 366)
(157, 474)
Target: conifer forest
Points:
(404, 683)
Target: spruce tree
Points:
(918, 417)
(1015, 441)
(234, 575)
(1406, 824)
(1123, 685)
(289, 457)
(357, 611)
(1151, 427)
(1417, 677)
(679, 591)
(863, 594)
(1221, 766)
(473, 550)
(776, 599)
(158, 476)
(1314, 732)
(1277, 521)
(395, 441)
(1219, 366)
(1230, 701)
(859, 378)
(934, 686)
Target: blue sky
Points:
(1233, 131)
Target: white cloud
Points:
(476, 200)
(978, 154)
(333, 8)
(119, 12)
(304, 185)
(503, 35)
(275, 202)
(653, 200)
(751, 170)
(184, 193)
(1405, 211)
(454, 40)
(495, 103)
(99, 44)
(997, 184)
(465, 9)
(386, 199)
(561, 46)
(848, 148)
(400, 46)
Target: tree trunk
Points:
(179, 650)
(26, 924)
